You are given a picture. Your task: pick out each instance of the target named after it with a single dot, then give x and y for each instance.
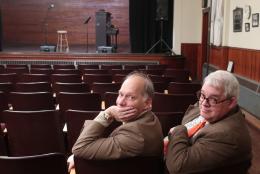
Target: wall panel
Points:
(23, 20)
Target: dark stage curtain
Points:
(145, 28)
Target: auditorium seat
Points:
(54, 163)
(47, 71)
(120, 71)
(3, 148)
(94, 71)
(153, 71)
(66, 71)
(2, 69)
(17, 70)
(183, 88)
(6, 87)
(169, 120)
(108, 67)
(8, 77)
(101, 78)
(160, 86)
(17, 66)
(66, 78)
(134, 67)
(177, 75)
(63, 66)
(102, 88)
(41, 66)
(33, 132)
(119, 78)
(172, 102)
(34, 78)
(78, 101)
(110, 98)
(131, 165)
(33, 87)
(156, 66)
(70, 87)
(28, 101)
(3, 105)
(87, 66)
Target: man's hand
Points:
(70, 162)
(122, 114)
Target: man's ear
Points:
(233, 102)
(148, 103)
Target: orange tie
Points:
(195, 128)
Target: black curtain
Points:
(145, 29)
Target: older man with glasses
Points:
(213, 137)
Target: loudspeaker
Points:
(47, 48)
(162, 10)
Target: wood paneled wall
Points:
(246, 61)
(191, 51)
(23, 20)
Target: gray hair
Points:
(148, 84)
(224, 80)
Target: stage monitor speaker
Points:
(162, 10)
(47, 48)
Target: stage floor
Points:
(72, 49)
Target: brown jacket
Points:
(141, 137)
(218, 145)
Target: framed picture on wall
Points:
(237, 19)
(255, 20)
(247, 27)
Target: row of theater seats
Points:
(39, 131)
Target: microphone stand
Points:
(45, 25)
(86, 22)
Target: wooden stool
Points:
(63, 43)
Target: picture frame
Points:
(255, 20)
(247, 27)
(237, 19)
(230, 66)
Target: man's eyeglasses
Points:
(210, 100)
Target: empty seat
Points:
(79, 101)
(160, 86)
(70, 87)
(47, 71)
(110, 98)
(131, 165)
(38, 164)
(17, 66)
(34, 78)
(31, 101)
(94, 71)
(169, 120)
(111, 67)
(183, 88)
(134, 67)
(3, 148)
(101, 78)
(41, 66)
(8, 77)
(75, 120)
(2, 69)
(153, 71)
(33, 132)
(172, 102)
(66, 78)
(66, 71)
(120, 71)
(63, 66)
(177, 75)
(3, 105)
(33, 87)
(87, 66)
(156, 66)
(17, 70)
(102, 88)
(159, 78)
(6, 87)
(119, 78)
